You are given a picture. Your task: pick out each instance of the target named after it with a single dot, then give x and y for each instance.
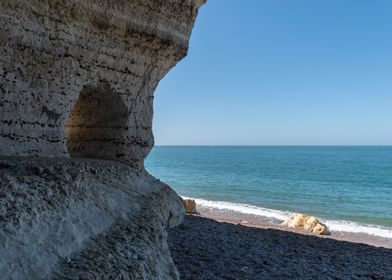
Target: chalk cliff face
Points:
(109, 54)
(77, 79)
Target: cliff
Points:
(77, 79)
(81, 73)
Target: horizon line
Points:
(273, 145)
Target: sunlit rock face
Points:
(77, 79)
(111, 54)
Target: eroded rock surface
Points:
(190, 206)
(77, 80)
(308, 223)
(84, 219)
(112, 53)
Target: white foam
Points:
(243, 208)
(333, 225)
(349, 226)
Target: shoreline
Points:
(256, 221)
(203, 248)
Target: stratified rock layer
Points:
(77, 79)
(111, 53)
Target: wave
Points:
(243, 208)
(333, 225)
(349, 226)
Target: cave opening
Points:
(96, 122)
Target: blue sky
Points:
(280, 72)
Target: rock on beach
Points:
(308, 223)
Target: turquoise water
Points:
(343, 185)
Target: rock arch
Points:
(97, 125)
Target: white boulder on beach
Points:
(308, 223)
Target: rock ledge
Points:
(84, 219)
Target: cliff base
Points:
(84, 219)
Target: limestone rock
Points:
(77, 82)
(308, 223)
(78, 224)
(190, 206)
(77, 77)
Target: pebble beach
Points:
(204, 248)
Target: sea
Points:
(349, 188)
